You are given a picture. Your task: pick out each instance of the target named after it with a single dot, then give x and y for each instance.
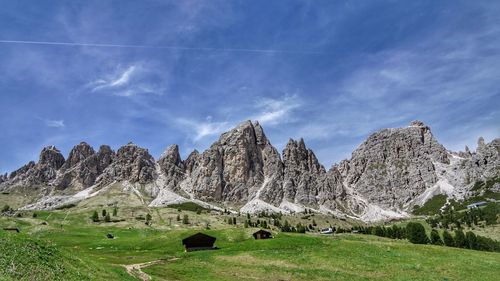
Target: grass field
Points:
(77, 249)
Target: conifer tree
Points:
(435, 238)
(448, 239)
(95, 216)
(416, 233)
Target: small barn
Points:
(12, 229)
(199, 241)
(476, 205)
(262, 234)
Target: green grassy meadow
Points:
(71, 247)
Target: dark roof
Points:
(198, 239)
(262, 232)
(11, 229)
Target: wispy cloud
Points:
(55, 123)
(135, 79)
(276, 111)
(201, 129)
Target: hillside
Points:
(286, 257)
(68, 245)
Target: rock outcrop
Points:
(131, 163)
(83, 166)
(389, 173)
(393, 166)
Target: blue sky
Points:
(164, 72)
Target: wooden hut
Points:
(199, 241)
(13, 229)
(262, 234)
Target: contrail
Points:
(182, 48)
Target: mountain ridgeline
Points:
(389, 174)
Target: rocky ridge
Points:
(389, 173)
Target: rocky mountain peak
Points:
(259, 134)
(172, 166)
(480, 142)
(131, 163)
(79, 153)
(51, 157)
(417, 123)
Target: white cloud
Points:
(55, 123)
(133, 80)
(118, 79)
(275, 111)
(201, 129)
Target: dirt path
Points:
(135, 270)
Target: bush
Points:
(471, 239)
(435, 238)
(416, 233)
(107, 218)
(379, 231)
(459, 238)
(185, 219)
(6, 209)
(95, 217)
(448, 239)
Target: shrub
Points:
(435, 238)
(448, 239)
(6, 209)
(416, 233)
(95, 217)
(185, 219)
(459, 238)
(471, 239)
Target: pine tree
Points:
(314, 223)
(459, 238)
(104, 212)
(416, 233)
(115, 211)
(471, 239)
(435, 238)
(95, 216)
(248, 216)
(148, 217)
(234, 221)
(107, 218)
(246, 224)
(185, 219)
(229, 221)
(448, 239)
(178, 217)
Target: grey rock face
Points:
(393, 166)
(83, 166)
(131, 163)
(483, 164)
(242, 165)
(172, 167)
(230, 167)
(43, 172)
(390, 169)
(302, 173)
